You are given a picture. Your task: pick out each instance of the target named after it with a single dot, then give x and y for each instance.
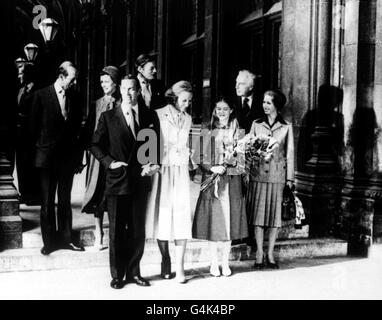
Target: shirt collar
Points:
(126, 107)
(250, 99)
(58, 88)
(142, 79)
(279, 118)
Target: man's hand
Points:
(117, 164)
(218, 169)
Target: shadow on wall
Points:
(362, 138)
(327, 114)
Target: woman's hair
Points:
(173, 93)
(214, 118)
(278, 98)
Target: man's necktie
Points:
(64, 110)
(131, 123)
(246, 108)
(146, 93)
(136, 125)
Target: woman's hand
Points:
(218, 169)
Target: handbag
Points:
(288, 210)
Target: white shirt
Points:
(61, 98)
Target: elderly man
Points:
(116, 146)
(56, 126)
(248, 108)
(152, 89)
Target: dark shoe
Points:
(138, 280)
(272, 265)
(71, 246)
(117, 284)
(166, 269)
(259, 266)
(46, 250)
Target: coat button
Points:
(266, 171)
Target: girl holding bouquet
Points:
(268, 175)
(220, 211)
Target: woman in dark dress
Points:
(94, 200)
(220, 211)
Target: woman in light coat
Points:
(94, 200)
(269, 176)
(169, 212)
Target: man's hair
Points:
(143, 59)
(63, 68)
(249, 75)
(132, 78)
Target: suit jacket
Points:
(114, 141)
(256, 111)
(281, 166)
(56, 139)
(157, 95)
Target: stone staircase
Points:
(30, 259)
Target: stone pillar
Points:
(362, 108)
(10, 221)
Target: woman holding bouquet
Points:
(169, 212)
(268, 175)
(220, 211)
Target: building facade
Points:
(325, 55)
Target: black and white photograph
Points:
(191, 150)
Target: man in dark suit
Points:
(116, 146)
(55, 126)
(152, 89)
(248, 106)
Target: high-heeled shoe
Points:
(166, 269)
(259, 266)
(271, 265)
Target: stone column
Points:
(361, 159)
(10, 221)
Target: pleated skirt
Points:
(263, 202)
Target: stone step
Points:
(85, 236)
(30, 259)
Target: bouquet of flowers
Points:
(254, 148)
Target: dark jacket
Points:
(256, 111)
(114, 141)
(157, 95)
(55, 138)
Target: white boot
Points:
(226, 270)
(214, 268)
